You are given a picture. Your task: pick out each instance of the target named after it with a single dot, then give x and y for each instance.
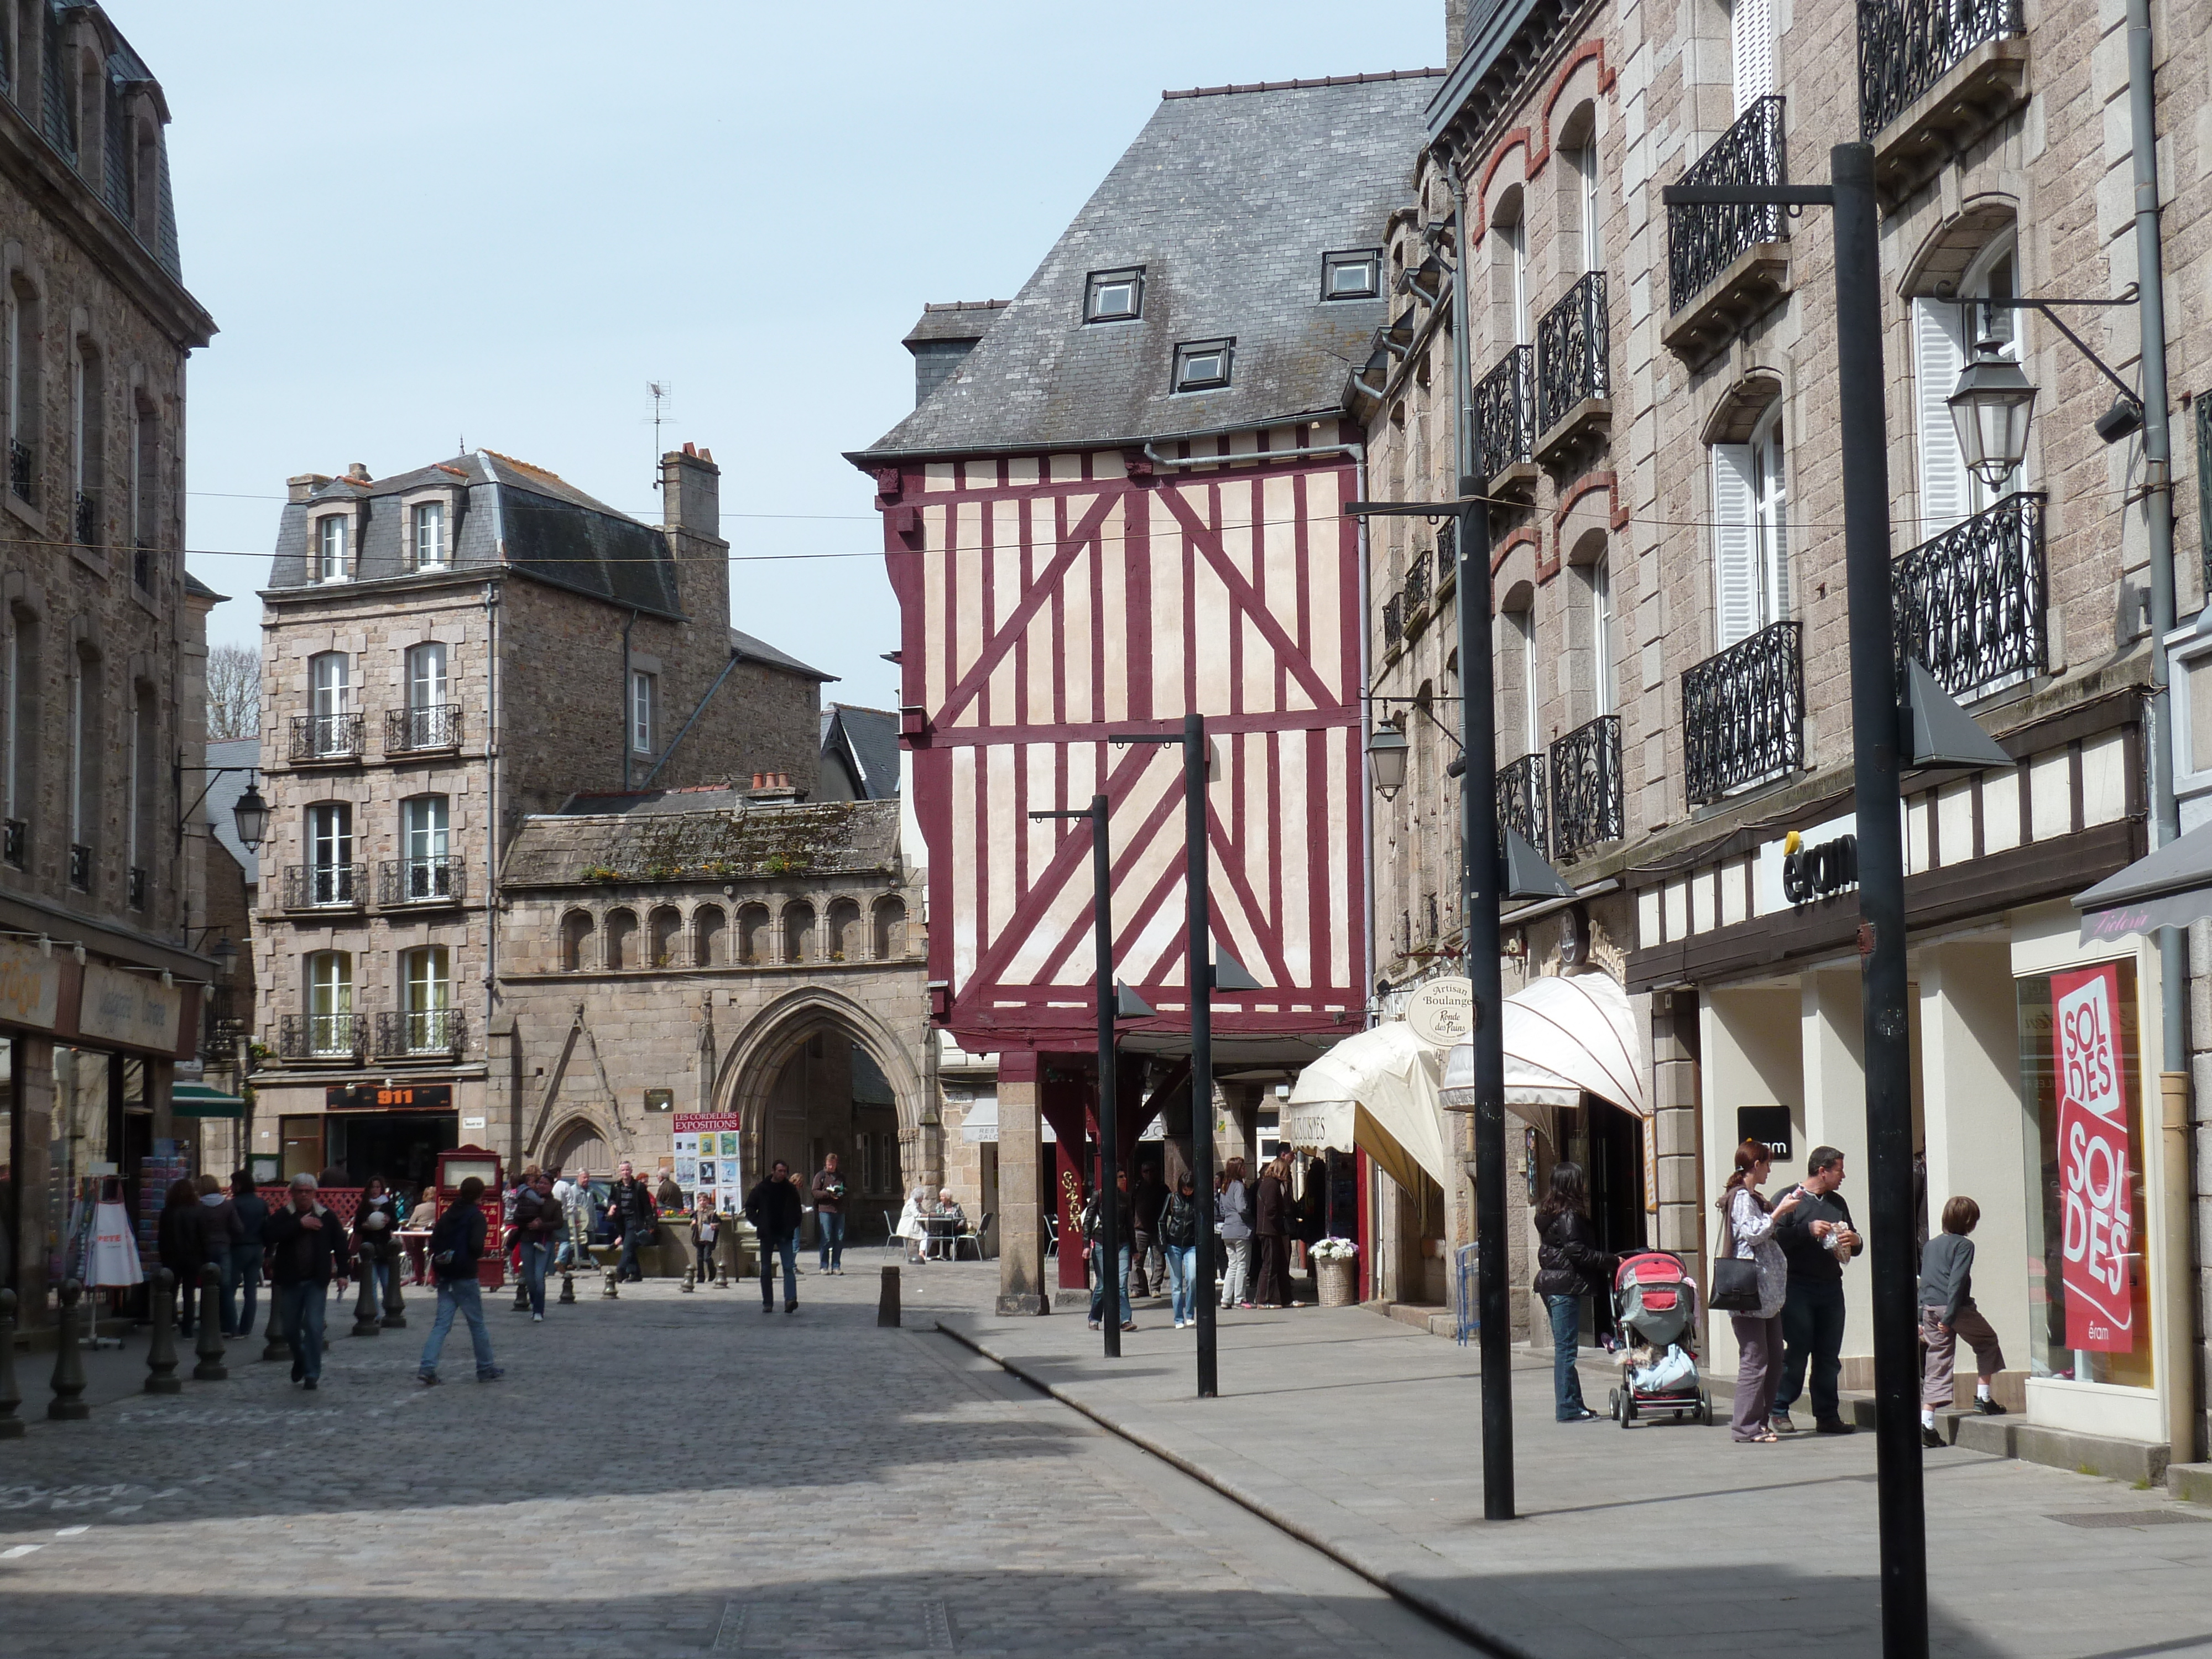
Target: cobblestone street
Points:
(665, 1473)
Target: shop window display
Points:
(2089, 1315)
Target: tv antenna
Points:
(664, 398)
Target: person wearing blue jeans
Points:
(1570, 1266)
(830, 1215)
(774, 1209)
(1099, 1284)
(243, 1272)
(1178, 1236)
(537, 1224)
(308, 1249)
(456, 1247)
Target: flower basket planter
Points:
(1338, 1281)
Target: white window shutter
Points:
(1939, 357)
(1774, 481)
(1736, 546)
(1751, 39)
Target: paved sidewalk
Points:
(1362, 1437)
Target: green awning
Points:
(198, 1100)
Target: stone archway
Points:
(580, 1140)
(796, 1092)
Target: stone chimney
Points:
(691, 492)
(1456, 14)
(772, 789)
(303, 487)
(357, 473)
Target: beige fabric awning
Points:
(1375, 1091)
(1565, 1036)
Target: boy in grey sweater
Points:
(1948, 1313)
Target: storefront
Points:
(361, 1126)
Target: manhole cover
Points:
(2127, 1518)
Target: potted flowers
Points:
(1336, 1272)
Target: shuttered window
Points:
(1751, 538)
(1751, 43)
(1939, 351)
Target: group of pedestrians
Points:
(1156, 1227)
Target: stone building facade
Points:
(1654, 428)
(446, 651)
(102, 635)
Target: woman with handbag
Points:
(1750, 1284)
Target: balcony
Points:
(325, 739)
(22, 465)
(1505, 425)
(1743, 714)
(1586, 810)
(322, 1037)
(322, 887)
(1971, 605)
(14, 843)
(86, 522)
(1728, 266)
(1574, 376)
(426, 881)
(137, 888)
(425, 1031)
(417, 731)
(1521, 799)
(80, 868)
(1393, 622)
(1414, 597)
(1934, 77)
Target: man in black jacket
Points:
(308, 1249)
(630, 1203)
(1817, 1237)
(456, 1246)
(774, 1209)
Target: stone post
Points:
(395, 1308)
(11, 1395)
(67, 1406)
(1022, 1195)
(568, 1284)
(365, 1320)
(208, 1343)
(161, 1347)
(611, 1290)
(34, 1080)
(691, 1277)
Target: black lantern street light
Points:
(249, 816)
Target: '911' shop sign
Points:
(2093, 1160)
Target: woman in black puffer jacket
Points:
(1569, 1266)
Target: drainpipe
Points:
(624, 701)
(2178, 1361)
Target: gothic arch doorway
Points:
(814, 1073)
(581, 1144)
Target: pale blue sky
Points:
(419, 223)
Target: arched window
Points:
(1750, 549)
(426, 977)
(891, 929)
(1580, 199)
(145, 490)
(707, 945)
(1946, 334)
(663, 929)
(798, 932)
(427, 868)
(621, 939)
(330, 1003)
(87, 442)
(753, 935)
(1522, 672)
(845, 936)
(1604, 695)
(1509, 269)
(20, 334)
(88, 748)
(19, 763)
(330, 706)
(576, 930)
(145, 768)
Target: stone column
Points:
(34, 1066)
(1751, 1053)
(1022, 1197)
(1835, 1115)
(1678, 1125)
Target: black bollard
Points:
(161, 1348)
(887, 1300)
(568, 1284)
(209, 1344)
(395, 1310)
(365, 1320)
(67, 1407)
(11, 1426)
(275, 1345)
(521, 1293)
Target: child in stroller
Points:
(1654, 1303)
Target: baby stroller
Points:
(1654, 1303)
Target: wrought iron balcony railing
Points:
(1572, 359)
(420, 1031)
(22, 465)
(14, 841)
(322, 886)
(1521, 799)
(440, 880)
(1416, 591)
(1586, 807)
(1703, 242)
(1905, 46)
(407, 730)
(1447, 552)
(1743, 714)
(87, 519)
(1505, 413)
(1393, 620)
(1971, 604)
(322, 1037)
(80, 868)
(137, 888)
(325, 737)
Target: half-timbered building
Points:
(1122, 503)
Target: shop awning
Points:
(1565, 1036)
(198, 1100)
(1375, 1091)
(2170, 887)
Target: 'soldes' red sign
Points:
(2094, 1155)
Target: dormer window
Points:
(1202, 365)
(427, 535)
(1357, 275)
(1114, 296)
(330, 549)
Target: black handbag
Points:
(1735, 1285)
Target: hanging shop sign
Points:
(30, 985)
(1441, 1010)
(134, 1010)
(2094, 1159)
(390, 1097)
(1767, 1125)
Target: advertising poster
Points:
(687, 1169)
(729, 1172)
(729, 1143)
(686, 1147)
(2095, 1158)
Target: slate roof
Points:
(508, 512)
(222, 798)
(954, 320)
(1228, 199)
(867, 740)
(701, 840)
(760, 651)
